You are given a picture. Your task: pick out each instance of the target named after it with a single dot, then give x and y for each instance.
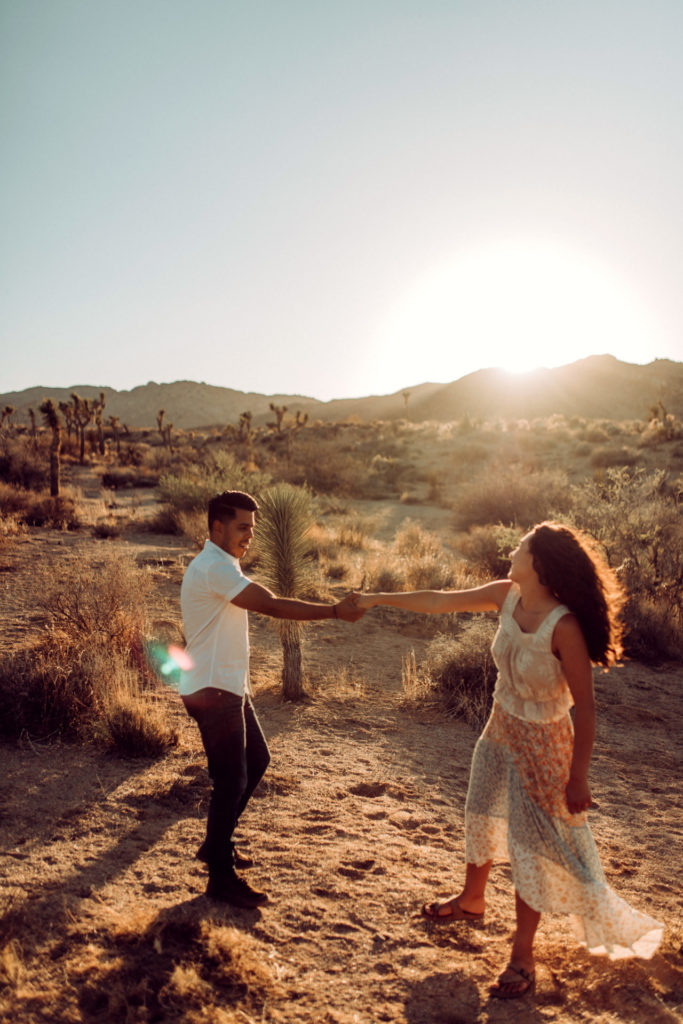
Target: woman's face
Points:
(522, 562)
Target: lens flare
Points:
(168, 662)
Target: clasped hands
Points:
(353, 607)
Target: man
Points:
(215, 597)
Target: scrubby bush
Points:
(636, 518)
(607, 456)
(38, 509)
(186, 493)
(25, 463)
(511, 496)
(459, 671)
(77, 680)
(487, 549)
(413, 540)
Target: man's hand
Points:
(348, 610)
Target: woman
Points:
(528, 792)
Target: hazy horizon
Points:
(337, 201)
(74, 386)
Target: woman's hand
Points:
(363, 601)
(578, 795)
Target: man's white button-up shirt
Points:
(216, 631)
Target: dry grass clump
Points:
(80, 679)
(487, 549)
(512, 496)
(413, 540)
(118, 479)
(25, 463)
(190, 489)
(417, 560)
(608, 456)
(36, 509)
(458, 671)
(175, 966)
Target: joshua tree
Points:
(406, 396)
(6, 414)
(245, 426)
(285, 518)
(98, 409)
(51, 420)
(279, 411)
(293, 427)
(115, 425)
(82, 413)
(32, 417)
(165, 431)
(67, 411)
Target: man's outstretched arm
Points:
(256, 598)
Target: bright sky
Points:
(336, 199)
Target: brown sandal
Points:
(456, 912)
(524, 981)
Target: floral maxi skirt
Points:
(516, 811)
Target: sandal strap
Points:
(527, 976)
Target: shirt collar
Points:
(213, 548)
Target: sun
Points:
(516, 305)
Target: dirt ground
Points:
(358, 822)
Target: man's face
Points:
(234, 535)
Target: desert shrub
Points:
(594, 435)
(89, 661)
(116, 479)
(459, 671)
(38, 510)
(320, 463)
(193, 524)
(354, 531)
(511, 496)
(466, 453)
(607, 456)
(10, 526)
(108, 529)
(412, 539)
(164, 521)
(24, 464)
(191, 489)
(487, 549)
(133, 725)
(42, 510)
(636, 518)
(382, 577)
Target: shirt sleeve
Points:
(227, 579)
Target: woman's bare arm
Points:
(569, 646)
(488, 598)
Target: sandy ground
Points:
(358, 822)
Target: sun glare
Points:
(515, 305)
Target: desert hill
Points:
(596, 387)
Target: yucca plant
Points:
(285, 518)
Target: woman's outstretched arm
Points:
(488, 598)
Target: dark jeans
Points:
(238, 757)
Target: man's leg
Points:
(221, 719)
(257, 754)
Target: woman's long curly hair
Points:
(569, 563)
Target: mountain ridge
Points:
(600, 387)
